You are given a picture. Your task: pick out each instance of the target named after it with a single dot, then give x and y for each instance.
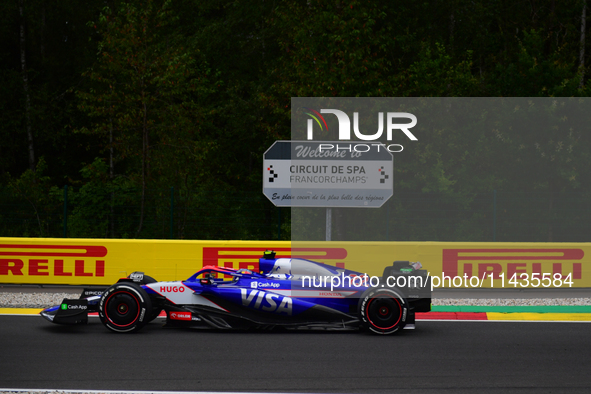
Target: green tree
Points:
(148, 95)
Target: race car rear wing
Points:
(414, 281)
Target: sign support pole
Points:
(328, 224)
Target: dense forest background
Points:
(149, 119)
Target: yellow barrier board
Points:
(454, 264)
(477, 264)
(104, 261)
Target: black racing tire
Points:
(156, 309)
(125, 307)
(383, 310)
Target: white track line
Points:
(50, 391)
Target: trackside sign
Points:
(510, 262)
(327, 174)
(37, 260)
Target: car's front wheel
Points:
(125, 307)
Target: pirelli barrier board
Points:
(104, 261)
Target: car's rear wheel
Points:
(383, 310)
(125, 307)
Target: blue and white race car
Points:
(286, 292)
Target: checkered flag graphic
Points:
(272, 174)
(383, 175)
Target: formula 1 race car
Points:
(286, 292)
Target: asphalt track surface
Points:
(437, 357)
